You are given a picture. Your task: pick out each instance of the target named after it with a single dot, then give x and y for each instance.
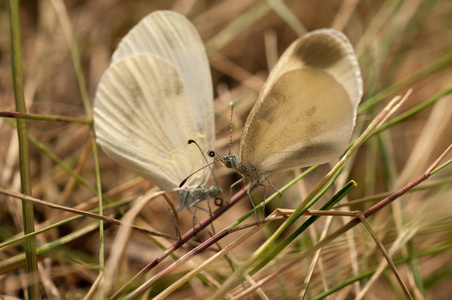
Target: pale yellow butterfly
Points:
(155, 96)
(306, 111)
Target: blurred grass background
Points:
(394, 41)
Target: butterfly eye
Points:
(218, 202)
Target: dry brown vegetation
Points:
(400, 45)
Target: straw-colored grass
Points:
(66, 46)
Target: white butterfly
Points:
(306, 111)
(155, 96)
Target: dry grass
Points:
(394, 40)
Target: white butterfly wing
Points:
(306, 111)
(143, 121)
(172, 37)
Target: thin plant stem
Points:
(231, 246)
(257, 11)
(286, 14)
(57, 224)
(46, 151)
(52, 118)
(24, 163)
(76, 60)
(339, 195)
(86, 213)
(176, 245)
(17, 261)
(200, 248)
(440, 64)
(411, 112)
(369, 273)
(355, 221)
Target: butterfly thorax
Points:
(189, 196)
(252, 173)
(232, 161)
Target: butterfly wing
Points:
(157, 94)
(143, 121)
(306, 111)
(172, 37)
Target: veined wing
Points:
(143, 121)
(172, 37)
(306, 111)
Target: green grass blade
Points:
(327, 206)
(27, 208)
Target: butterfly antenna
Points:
(211, 153)
(230, 127)
(200, 150)
(185, 180)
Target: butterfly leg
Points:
(183, 202)
(234, 184)
(175, 223)
(251, 199)
(210, 212)
(265, 195)
(195, 204)
(276, 190)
